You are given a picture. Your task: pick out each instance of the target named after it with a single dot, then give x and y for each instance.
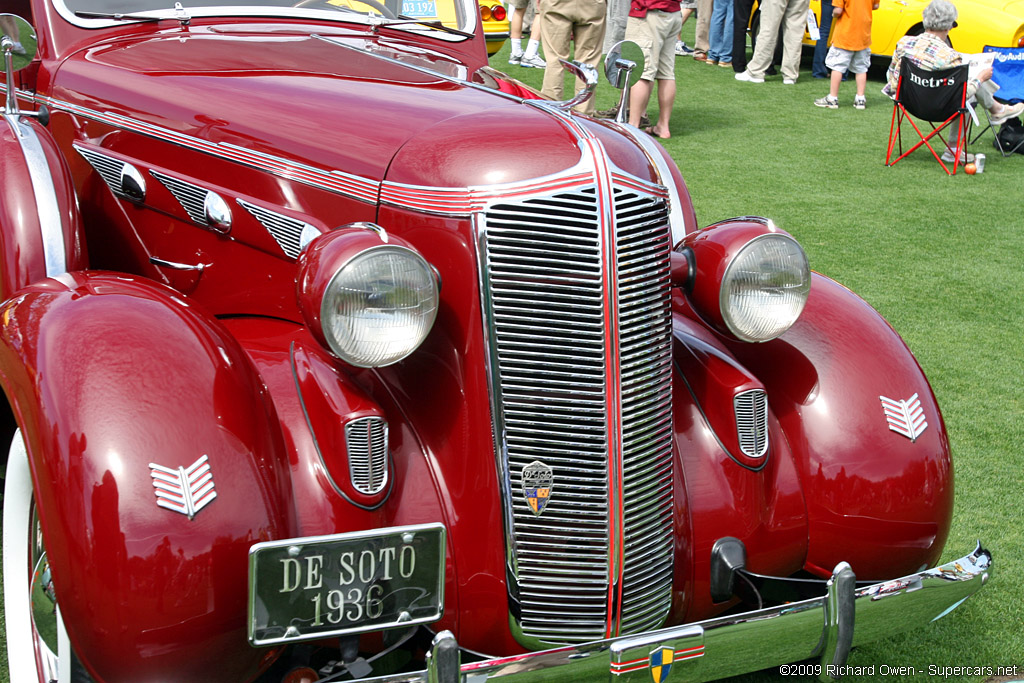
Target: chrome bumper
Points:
(824, 628)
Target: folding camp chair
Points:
(940, 99)
(1008, 74)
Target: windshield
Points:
(453, 14)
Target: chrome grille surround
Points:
(577, 313)
(751, 408)
(366, 440)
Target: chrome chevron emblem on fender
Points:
(187, 489)
(905, 417)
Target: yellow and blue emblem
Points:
(537, 484)
(661, 663)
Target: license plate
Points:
(420, 9)
(316, 587)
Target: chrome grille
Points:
(366, 439)
(645, 326)
(751, 409)
(544, 290)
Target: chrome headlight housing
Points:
(371, 302)
(752, 280)
(765, 287)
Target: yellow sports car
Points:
(450, 13)
(980, 22)
(495, 20)
(999, 23)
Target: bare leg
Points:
(639, 96)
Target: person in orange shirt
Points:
(850, 51)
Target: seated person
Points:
(930, 50)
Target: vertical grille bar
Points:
(544, 288)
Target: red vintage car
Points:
(311, 374)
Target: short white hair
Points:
(939, 15)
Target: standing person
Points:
(850, 51)
(791, 15)
(818, 69)
(654, 25)
(515, 22)
(615, 23)
(686, 8)
(741, 11)
(562, 23)
(720, 50)
(702, 31)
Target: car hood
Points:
(346, 102)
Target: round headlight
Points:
(371, 304)
(765, 287)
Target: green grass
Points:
(938, 256)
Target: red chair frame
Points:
(949, 107)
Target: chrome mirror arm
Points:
(11, 103)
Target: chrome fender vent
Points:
(122, 178)
(290, 234)
(751, 409)
(204, 207)
(366, 439)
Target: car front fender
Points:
(123, 389)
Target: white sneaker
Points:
(682, 49)
(965, 158)
(533, 62)
(515, 59)
(789, 81)
(827, 101)
(1010, 111)
(748, 77)
(18, 49)
(860, 102)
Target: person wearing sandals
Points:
(850, 51)
(654, 25)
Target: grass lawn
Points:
(938, 256)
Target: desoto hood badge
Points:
(187, 489)
(905, 417)
(537, 485)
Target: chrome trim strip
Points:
(339, 182)
(47, 209)
(454, 201)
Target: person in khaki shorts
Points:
(530, 58)
(562, 23)
(654, 25)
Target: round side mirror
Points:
(17, 39)
(624, 61)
